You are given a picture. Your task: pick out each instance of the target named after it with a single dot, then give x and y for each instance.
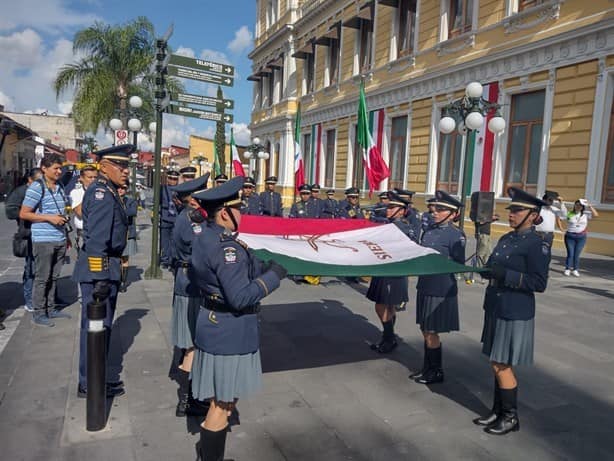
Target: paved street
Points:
(326, 395)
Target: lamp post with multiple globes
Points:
(257, 152)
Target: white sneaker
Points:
(567, 273)
(576, 273)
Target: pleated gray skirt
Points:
(131, 248)
(225, 377)
(508, 341)
(388, 290)
(183, 320)
(437, 314)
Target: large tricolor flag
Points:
(299, 170)
(236, 161)
(216, 161)
(376, 169)
(341, 247)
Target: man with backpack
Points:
(44, 206)
(13, 205)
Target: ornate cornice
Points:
(547, 11)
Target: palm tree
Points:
(117, 62)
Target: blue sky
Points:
(36, 39)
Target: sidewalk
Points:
(326, 395)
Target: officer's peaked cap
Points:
(191, 186)
(304, 188)
(352, 192)
(188, 171)
(172, 174)
(383, 194)
(442, 198)
(523, 199)
(408, 194)
(271, 180)
(397, 200)
(221, 178)
(249, 181)
(330, 192)
(119, 153)
(315, 187)
(226, 194)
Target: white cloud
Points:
(242, 41)
(242, 134)
(184, 51)
(65, 107)
(216, 56)
(7, 102)
(50, 16)
(21, 50)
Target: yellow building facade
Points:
(548, 63)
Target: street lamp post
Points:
(471, 110)
(256, 151)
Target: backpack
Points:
(14, 201)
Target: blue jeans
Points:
(28, 280)
(574, 244)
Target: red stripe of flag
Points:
(489, 142)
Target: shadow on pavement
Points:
(595, 291)
(11, 296)
(67, 291)
(127, 325)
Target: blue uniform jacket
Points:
(308, 209)
(168, 209)
(184, 232)
(329, 209)
(227, 273)
(270, 203)
(526, 258)
(131, 211)
(450, 242)
(251, 205)
(105, 230)
(347, 211)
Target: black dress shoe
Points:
(111, 392)
(417, 374)
(431, 376)
(487, 420)
(118, 383)
(387, 346)
(504, 424)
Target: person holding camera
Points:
(44, 206)
(576, 233)
(549, 215)
(232, 282)
(105, 231)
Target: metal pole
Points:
(133, 161)
(96, 405)
(466, 173)
(154, 269)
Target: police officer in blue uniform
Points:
(232, 282)
(270, 201)
(220, 179)
(250, 199)
(187, 173)
(518, 268)
(186, 296)
(330, 205)
(168, 214)
(437, 296)
(387, 292)
(349, 208)
(98, 267)
(315, 198)
(427, 217)
(305, 207)
(380, 210)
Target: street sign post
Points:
(220, 104)
(200, 75)
(203, 65)
(121, 137)
(201, 114)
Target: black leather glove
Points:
(278, 269)
(497, 272)
(102, 290)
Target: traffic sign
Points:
(220, 104)
(201, 114)
(195, 74)
(121, 137)
(202, 64)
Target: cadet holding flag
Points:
(270, 201)
(305, 207)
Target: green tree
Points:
(220, 137)
(116, 62)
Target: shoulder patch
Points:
(230, 255)
(99, 193)
(196, 228)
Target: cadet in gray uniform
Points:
(232, 282)
(330, 205)
(518, 269)
(387, 292)
(350, 207)
(437, 297)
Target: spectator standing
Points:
(44, 206)
(549, 215)
(576, 233)
(12, 208)
(87, 175)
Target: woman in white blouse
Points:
(576, 232)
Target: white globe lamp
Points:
(256, 140)
(115, 124)
(447, 125)
(474, 90)
(247, 154)
(135, 102)
(134, 124)
(496, 124)
(263, 155)
(474, 120)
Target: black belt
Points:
(495, 283)
(215, 305)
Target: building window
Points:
(358, 170)
(329, 158)
(406, 16)
(271, 12)
(333, 62)
(307, 155)
(261, 91)
(280, 81)
(607, 194)
(267, 163)
(271, 87)
(398, 152)
(460, 13)
(310, 63)
(525, 140)
(365, 42)
(449, 161)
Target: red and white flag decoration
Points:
(299, 169)
(236, 161)
(481, 176)
(376, 169)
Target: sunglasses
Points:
(441, 208)
(121, 165)
(517, 209)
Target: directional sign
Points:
(220, 104)
(195, 74)
(201, 114)
(202, 64)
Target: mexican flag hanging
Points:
(340, 247)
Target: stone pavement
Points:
(326, 396)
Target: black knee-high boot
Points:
(425, 366)
(434, 374)
(490, 418)
(508, 419)
(212, 444)
(183, 392)
(123, 278)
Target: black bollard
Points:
(96, 416)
